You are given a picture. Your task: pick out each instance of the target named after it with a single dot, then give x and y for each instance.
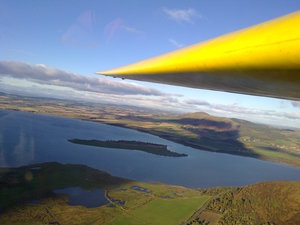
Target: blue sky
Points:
(82, 37)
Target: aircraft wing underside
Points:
(261, 60)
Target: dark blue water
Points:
(27, 138)
(87, 198)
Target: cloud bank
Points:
(42, 74)
(42, 81)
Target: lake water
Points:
(87, 198)
(27, 138)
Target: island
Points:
(156, 149)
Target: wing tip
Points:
(109, 73)
(105, 73)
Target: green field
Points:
(162, 212)
(168, 211)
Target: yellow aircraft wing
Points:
(260, 60)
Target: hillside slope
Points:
(269, 203)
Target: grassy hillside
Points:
(263, 203)
(270, 202)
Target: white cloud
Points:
(42, 74)
(112, 28)
(81, 32)
(175, 43)
(182, 15)
(131, 29)
(29, 88)
(197, 102)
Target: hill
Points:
(266, 203)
